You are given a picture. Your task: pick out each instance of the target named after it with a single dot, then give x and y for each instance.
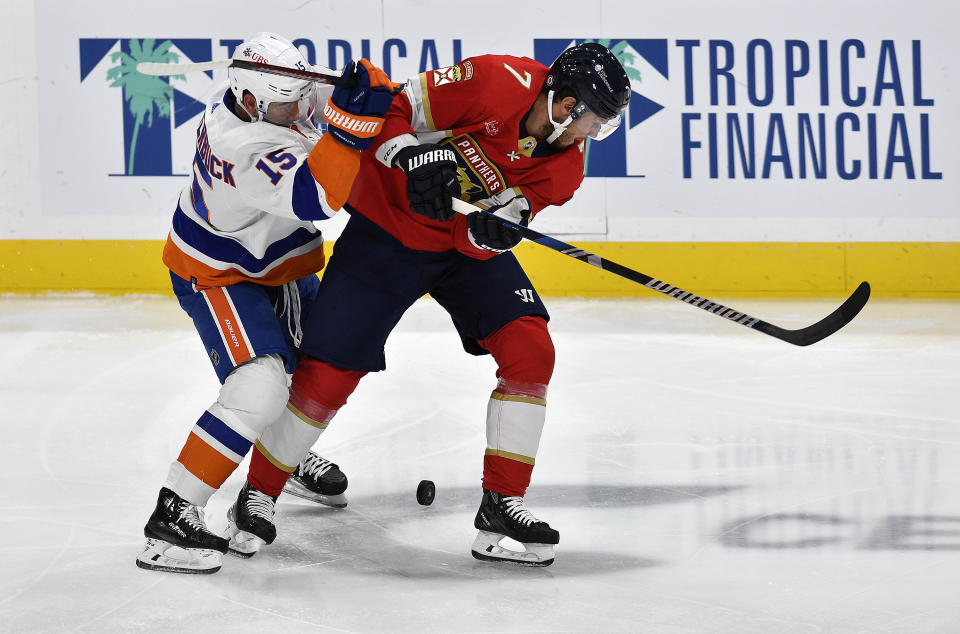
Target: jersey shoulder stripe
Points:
(220, 248)
(196, 250)
(205, 274)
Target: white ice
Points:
(703, 477)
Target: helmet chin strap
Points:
(558, 128)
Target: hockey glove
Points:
(355, 114)
(486, 232)
(431, 179)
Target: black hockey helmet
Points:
(594, 76)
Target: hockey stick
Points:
(160, 69)
(802, 337)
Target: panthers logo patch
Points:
(452, 74)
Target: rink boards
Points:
(778, 269)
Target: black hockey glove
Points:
(488, 233)
(431, 179)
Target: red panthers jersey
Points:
(478, 108)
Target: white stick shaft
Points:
(159, 69)
(463, 207)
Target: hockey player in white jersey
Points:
(243, 254)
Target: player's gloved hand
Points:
(355, 113)
(487, 233)
(431, 179)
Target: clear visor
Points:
(594, 126)
(290, 112)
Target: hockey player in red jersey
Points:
(243, 253)
(507, 134)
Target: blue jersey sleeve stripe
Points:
(198, 202)
(306, 196)
(228, 250)
(219, 430)
(202, 168)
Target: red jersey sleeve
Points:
(397, 120)
(556, 188)
(457, 96)
(466, 95)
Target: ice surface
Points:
(703, 477)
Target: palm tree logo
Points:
(625, 57)
(143, 93)
(627, 60)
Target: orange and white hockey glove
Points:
(355, 113)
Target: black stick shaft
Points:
(802, 337)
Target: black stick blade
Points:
(826, 326)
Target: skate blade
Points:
(295, 488)
(165, 557)
(242, 544)
(486, 547)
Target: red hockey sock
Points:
(506, 476)
(525, 356)
(318, 390)
(264, 475)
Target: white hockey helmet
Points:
(276, 95)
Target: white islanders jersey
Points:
(247, 214)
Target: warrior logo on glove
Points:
(355, 114)
(431, 179)
(419, 160)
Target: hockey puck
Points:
(425, 492)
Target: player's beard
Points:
(564, 141)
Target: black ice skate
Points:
(178, 539)
(318, 480)
(502, 516)
(250, 522)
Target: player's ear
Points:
(250, 104)
(567, 103)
